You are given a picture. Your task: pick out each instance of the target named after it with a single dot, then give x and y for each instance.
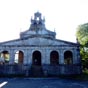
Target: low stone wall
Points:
(62, 69)
(25, 70)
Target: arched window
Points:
(19, 57)
(68, 57)
(5, 57)
(54, 58)
(36, 58)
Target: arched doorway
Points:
(5, 56)
(36, 68)
(36, 58)
(68, 57)
(19, 57)
(54, 58)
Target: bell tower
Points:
(37, 28)
(38, 23)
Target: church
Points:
(38, 53)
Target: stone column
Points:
(43, 57)
(76, 56)
(47, 56)
(61, 57)
(25, 57)
(12, 57)
(29, 56)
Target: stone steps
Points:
(36, 71)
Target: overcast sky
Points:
(62, 15)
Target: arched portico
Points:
(54, 58)
(5, 56)
(36, 58)
(19, 57)
(68, 57)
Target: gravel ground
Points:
(42, 83)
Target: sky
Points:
(63, 16)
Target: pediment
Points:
(37, 41)
(48, 41)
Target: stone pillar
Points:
(29, 56)
(25, 57)
(12, 57)
(43, 57)
(77, 56)
(47, 56)
(74, 56)
(61, 57)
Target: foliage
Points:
(82, 36)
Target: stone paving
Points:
(42, 83)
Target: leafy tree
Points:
(82, 36)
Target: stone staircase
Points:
(36, 71)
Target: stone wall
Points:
(45, 53)
(48, 70)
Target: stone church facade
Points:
(38, 53)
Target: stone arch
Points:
(4, 56)
(68, 57)
(36, 58)
(19, 57)
(54, 58)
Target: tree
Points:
(82, 36)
